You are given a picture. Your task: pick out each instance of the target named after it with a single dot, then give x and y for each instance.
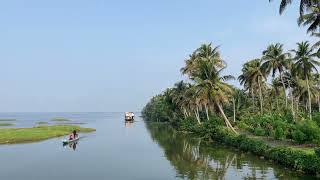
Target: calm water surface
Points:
(127, 151)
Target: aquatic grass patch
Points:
(71, 123)
(7, 124)
(42, 123)
(7, 119)
(60, 120)
(21, 135)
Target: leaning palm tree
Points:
(216, 91)
(305, 64)
(275, 60)
(204, 69)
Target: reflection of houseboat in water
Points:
(128, 124)
(129, 116)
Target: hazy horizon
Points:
(106, 56)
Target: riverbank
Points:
(302, 160)
(38, 133)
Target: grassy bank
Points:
(300, 160)
(303, 160)
(21, 135)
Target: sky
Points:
(113, 56)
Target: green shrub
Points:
(259, 132)
(279, 133)
(316, 118)
(317, 151)
(243, 125)
(275, 125)
(297, 159)
(311, 131)
(299, 136)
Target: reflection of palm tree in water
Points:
(187, 156)
(208, 168)
(193, 159)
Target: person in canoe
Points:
(73, 135)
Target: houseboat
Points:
(129, 116)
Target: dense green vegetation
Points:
(279, 98)
(21, 135)
(285, 107)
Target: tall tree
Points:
(275, 60)
(305, 64)
(204, 69)
(253, 76)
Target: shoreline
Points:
(296, 159)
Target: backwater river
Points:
(119, 150)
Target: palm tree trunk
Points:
(207, 111)
(226, 119)
(198, 112)
(252, 95)
(292, 100)
(284, 89)
(260, 94)
(185, 113)
(198, 119)
(234, 110)
(292, 105)
(297, 101)
(319, 103)
(309, 98)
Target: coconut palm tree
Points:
(311, 18)
(317, 44)
(274, 92)
(205, 53)
(247, 82)
(240, 102)
(316, 79)
(304, 4)
(305, 64)
(178, 95)
(217, 92)
(290, 83)
(275, 60)
(253, 76)
(204, 69)
(309, 13)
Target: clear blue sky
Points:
(100, 55)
